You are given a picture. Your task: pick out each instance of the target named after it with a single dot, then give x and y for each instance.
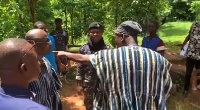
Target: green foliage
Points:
(44, 13)
(181, 11)
(195, 8)
(174, 33)
(13, 19)
(78, 14)
(174, 30)
(15, 16)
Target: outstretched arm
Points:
(73, 56)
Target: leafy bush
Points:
(181, 11)
(195, 8)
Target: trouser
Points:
(88, 90)
(190, 64)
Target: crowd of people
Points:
(129, 77)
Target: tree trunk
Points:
(32, 4)
(116, 13)
(72, 32)
(65, 11)
(85, 20)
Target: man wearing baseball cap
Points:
(86, 74)
(131, 77)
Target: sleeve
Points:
(161, 48)
(53, 74)
(80, 73)
(143, 42)
(80, 69)
(167, 80)
(65, 33)
(191, 28)
(58, 83)
(93, 60)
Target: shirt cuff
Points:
(78, 78)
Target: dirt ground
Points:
(73, 101)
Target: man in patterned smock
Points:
(131, 77)
(46, 88)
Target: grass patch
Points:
(173, 34)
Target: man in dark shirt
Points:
(19, 66)
(61, 39)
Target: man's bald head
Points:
(10, 52)
(40, 25)
(18, 62)
(34, 34)
(41, 40)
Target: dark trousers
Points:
(88, 90)
(190, 64)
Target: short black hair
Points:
(155, 23)
(58, 19)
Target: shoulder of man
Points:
(84, 48)
(47, 64)
(144, 38)
(38, 106)
(52, 32)
(50, 37)
(21, 104)
(107, 46)
(65, 33)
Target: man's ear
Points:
(23, 67)
(122, 38)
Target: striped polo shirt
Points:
(131, 78)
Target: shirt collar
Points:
(16, 91)
(150, 37)
(132, 45)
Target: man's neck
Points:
(129, 44)
(130, 41)
(59, 28)
(152, 35)
(15, 83)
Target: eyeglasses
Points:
(43, 42)
(33, 44)
(39, 42)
